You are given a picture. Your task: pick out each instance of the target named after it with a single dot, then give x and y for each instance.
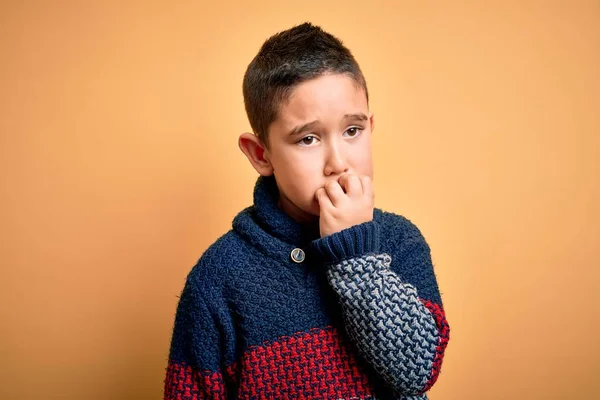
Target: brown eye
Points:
(307, 140)
(355, 131)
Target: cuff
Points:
(352, 242)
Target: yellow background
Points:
(119, 167)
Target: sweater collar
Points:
(268, 227)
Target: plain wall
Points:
(119, 166)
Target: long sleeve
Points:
(402, 335)
(193, 371)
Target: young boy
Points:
(313, 293)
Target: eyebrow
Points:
(309, 125)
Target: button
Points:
(298, 255)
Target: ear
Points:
(256, 152)
(372, 122)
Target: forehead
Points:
(326, 98)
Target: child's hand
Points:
(341, 210)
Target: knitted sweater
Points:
(273, 311)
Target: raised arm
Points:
(401, 334)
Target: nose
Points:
(335, 162)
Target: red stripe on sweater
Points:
(186, 383)
(306, 365)
(444, 333)
(313, 364)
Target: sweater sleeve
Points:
(193, 371)
(402, 335)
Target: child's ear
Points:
(372, 122)
(258, 156)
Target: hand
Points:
(341, 210)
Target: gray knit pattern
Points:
(391, 327)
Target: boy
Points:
(314, 293)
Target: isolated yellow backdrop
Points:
(119, 167)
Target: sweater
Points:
(273, 311)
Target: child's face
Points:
(338, 142)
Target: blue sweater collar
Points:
(268, 227)
(276, 221)
(271, 230)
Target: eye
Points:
(307, 140)
(354, 131)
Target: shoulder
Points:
(411, 255)
(397, 230)
(214, 265)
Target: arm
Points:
(402, 335)
(193, 371)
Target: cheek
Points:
(304, 167)
(302, 173)
(304, 182)
(363, 163)
(366, 161)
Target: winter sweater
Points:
(273, 311)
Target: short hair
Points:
(287, 59)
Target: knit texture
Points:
(360, 317)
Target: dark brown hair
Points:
(287, 59)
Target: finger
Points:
(335, 193)
(367, 186)
(322, 198)
(351, 184)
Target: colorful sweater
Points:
(273, 311)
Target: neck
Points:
(297, 214)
